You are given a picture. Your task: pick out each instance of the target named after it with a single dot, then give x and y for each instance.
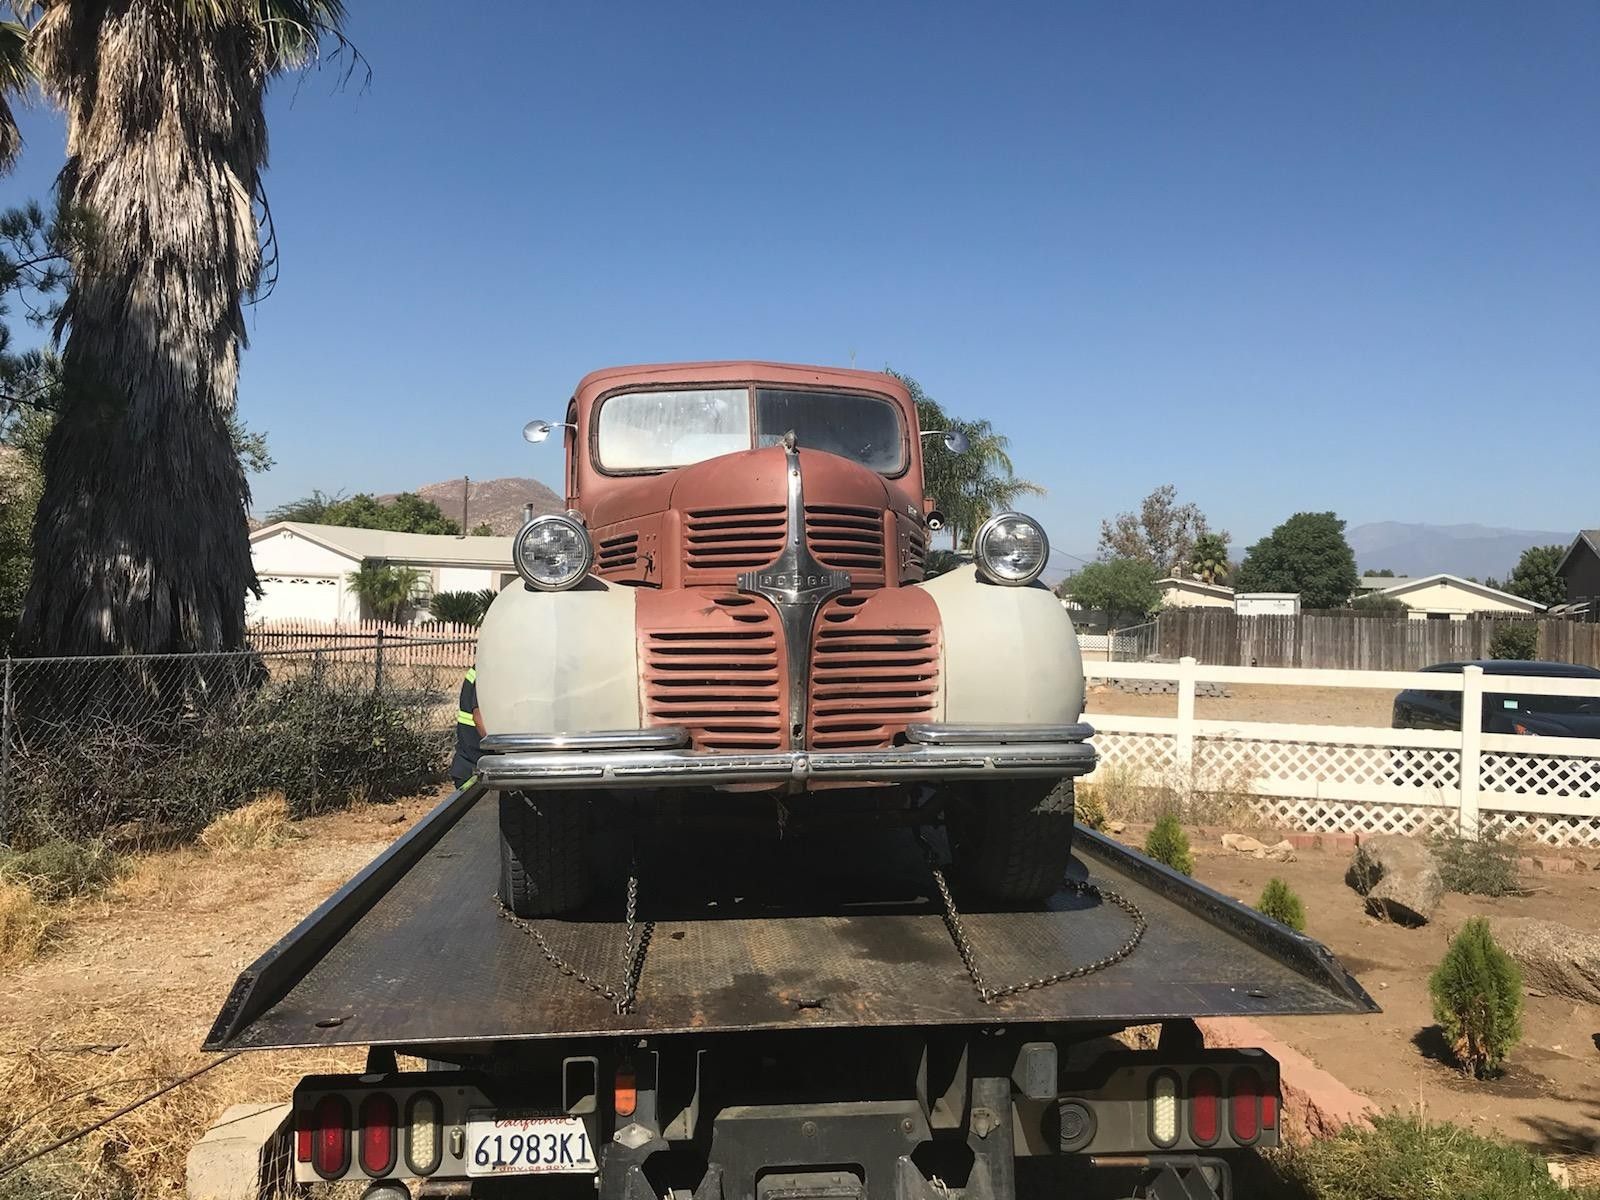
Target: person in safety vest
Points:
(469, 730)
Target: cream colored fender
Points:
(559, 662)
(1010, 653)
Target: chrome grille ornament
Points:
(796, 585)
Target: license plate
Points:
(506, 1144)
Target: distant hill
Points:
(1468, 550)
(497, 501)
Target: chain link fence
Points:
(150, 748)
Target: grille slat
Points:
(869, 682)
(718, 543)
(722, 681)
(848, 538)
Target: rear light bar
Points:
(1209, 1106)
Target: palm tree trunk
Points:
(141, 538)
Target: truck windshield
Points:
(655, 431)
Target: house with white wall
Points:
(1178, 592)
(1449, 598)
(304, 570)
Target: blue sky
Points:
(1286, 257)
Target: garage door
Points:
(297, 598)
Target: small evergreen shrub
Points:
(1515, 640)
(1485, 867)
(1477, 999)
(1169, 844)
(1279, 902)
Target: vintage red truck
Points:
(734, 609)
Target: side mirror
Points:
(537, 431)
(955, 441)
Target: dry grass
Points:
(263, 825)
(1204, 794)
(49, 1091)
(26, 925)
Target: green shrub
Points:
(1477, 999)
(458, 608)
(332, 745)
(1515, 639)
(1405, 1158)
(1089, 807)
(1279, 902)
(1169, 844)
(321, 738)
(60, 870)
(1485, 867)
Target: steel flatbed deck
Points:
(752, 934)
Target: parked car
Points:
(734, 619)
(1506, 711)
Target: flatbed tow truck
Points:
(744, 1018)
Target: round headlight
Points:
(553, 552)
(1011, 549)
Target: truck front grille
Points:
(873, 672)
(716, 672)
(848, 538)
(718, 543)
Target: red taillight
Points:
(1269, 1110)
(1244, 1106)
(302, 1140)
(1205, 1112)
(378, 1116)
(330, 1143)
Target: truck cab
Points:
(733, 615)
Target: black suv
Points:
(1506, 712)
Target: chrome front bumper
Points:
(660, 757)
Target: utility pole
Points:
(466, 493)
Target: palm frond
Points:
(16, 75)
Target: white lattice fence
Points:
(1341, 780)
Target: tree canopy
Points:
(1162, 533)
(971, 487)
(406, 513)
(1307, 554)
(1123, 588)
(1534, 577)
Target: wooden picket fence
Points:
(1352, 642)
(431, 644)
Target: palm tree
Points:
(970, 487)
(141, 537)
(1208, 559)
(386, 591)
(15, 76)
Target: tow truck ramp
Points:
(746, 933)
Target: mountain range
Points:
(497, 502)
(1478, 551)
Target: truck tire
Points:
(544, 853)
(1012, 838)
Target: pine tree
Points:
(1477, 999)
(1169, 844)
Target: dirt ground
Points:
(127, 992)
(1288, 705)
(122, 998)
(1548, 1099)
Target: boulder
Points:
(1283, 851)
(1398, 877)
(1554, 957)
(1242, 842)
